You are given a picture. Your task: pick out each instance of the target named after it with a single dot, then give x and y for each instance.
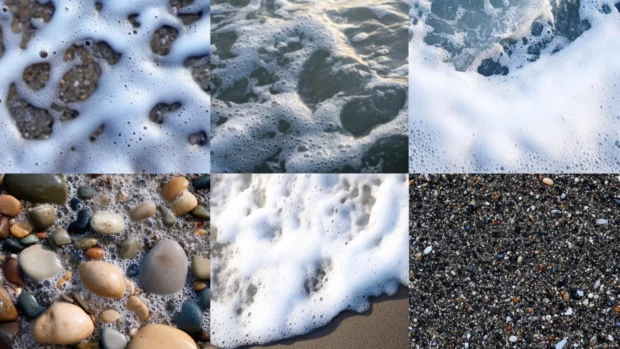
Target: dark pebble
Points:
(500, 256)
(202, 182)
(13, 273)
(189, 319)
(86, 193)
(13, 245)
(80, 225)
(75, 204)
(29, 305)
(204, 298)
(133, 270)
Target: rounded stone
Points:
(189, 319)
(42, 217)
(201, 212)
(40, 263)
(104, 222)
(30, 240)
(8, 332)
(157, 336)
(4, 228)
(37, 188)
(547, 181)
(8, 311)
(129, 248)
(109, 316)
(9, 205)
(94, 253)
(62, 324)
(201, 268)
(86, 192)
(143, 211)
(29, 305)
(103, 279)
(175, 187)
(204, 298)
(112, 339)
(21, 229)
(13, 273)
(12, 245)
(60, 237)
(80, 225)
(184, 203)
(202, 182)
(85, 243)
(168, 217)
(164, 268)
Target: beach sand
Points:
(383, 326)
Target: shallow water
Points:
(309, 86)
(514, 86)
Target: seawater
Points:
(514, 86)
(309, 86)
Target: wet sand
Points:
(383, 326)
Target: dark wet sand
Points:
(383, 326)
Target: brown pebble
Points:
(109, 316)
(174, 188)
(201, 232)
(94, 253)
(13, 273)
(21, 229)
(4, 228)
(547, 181)
(9, 205)
(199, 285)
(42, 236)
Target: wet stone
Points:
(80, 225)
(29, 305)
(13, 273)
(60, 237)
(202, 182)
(189, 319)
(12, 245)
(86, 192)
(129, 248)
(42, 217)
(37, 188)
(167, 217)
(201, 212)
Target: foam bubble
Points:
(550, 103)
(126, 93)
(290, 252)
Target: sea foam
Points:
(550, 102)
(290, 252)
(127, 91)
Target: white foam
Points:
(560, 113)
(240, 144)
(126, 92)
(277, 232)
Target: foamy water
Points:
(514, 86)
(309, 86)
(126, 92)
(290, 252)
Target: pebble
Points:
(201, 212)
(103, 279)
(29, 305)
(101, 200)
(80, 225)
(164, 268)
(86, 192)
(201, 182)
(189, 319)
(428, 250)
(199, 285)
(12, 245)
(136, 305)
(4, 228)
(42, 217)
(94, 253)
(513, 339)
(9, 205)
(40, 263)
(129, 248)
(85, 243)
(133, 270)
(63, 323)
(602, 221)
(174, 188)
(7, 309)
(109, 316)
(29, 240)
(21, 229)
(168, 217)
(157, 336)
(547, 181)
(142, 211)
(60, 237)
(112, 339)
(37, 188)
(104, 222)
(184, 204)
(201, 268)
(13, 273)
(8, 332)
(204, 298)
(75, 204)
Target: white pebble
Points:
(428, 250)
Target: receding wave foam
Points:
(514, 86)
(309, 86)
(290, 252)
